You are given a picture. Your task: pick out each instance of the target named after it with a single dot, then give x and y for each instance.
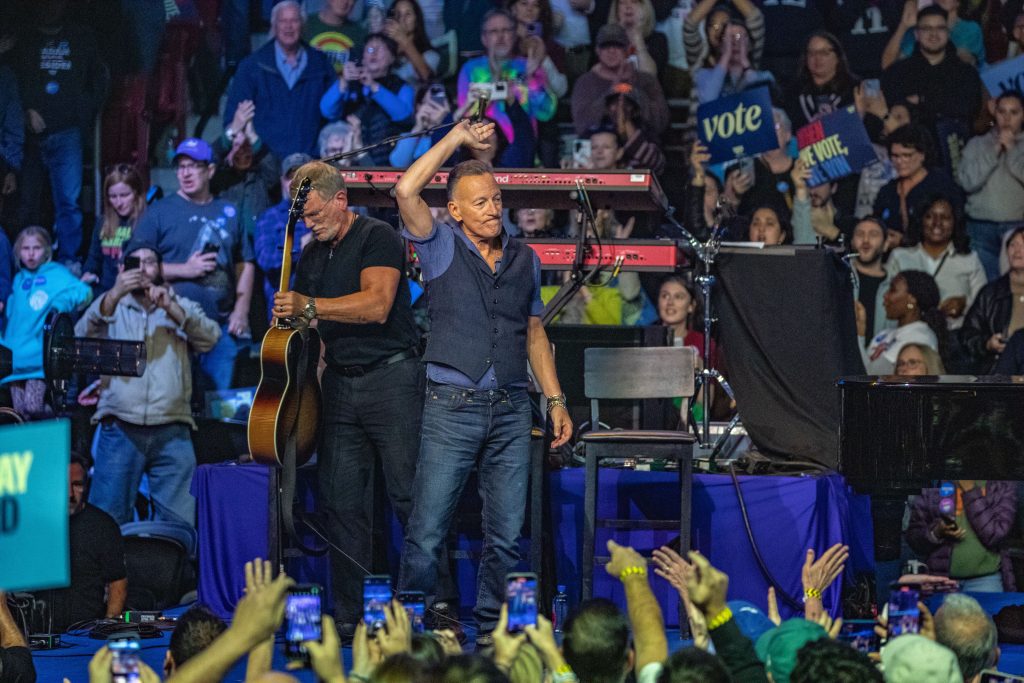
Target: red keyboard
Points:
(655, 256)
(628, 190)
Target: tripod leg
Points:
(723, 382)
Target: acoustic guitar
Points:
(287, 401)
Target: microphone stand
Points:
(577, 279)
(706, 252)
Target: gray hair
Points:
(783, 118)
(337, 128)
(965, 628)
(279, 7)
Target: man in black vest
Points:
(350, 281)
(484, 304)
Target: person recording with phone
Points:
(517, 87)
(145, 422)
(960, 531)
(998, 311)
(368, 90)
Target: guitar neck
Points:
(286, 258)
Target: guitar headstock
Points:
(299, 200)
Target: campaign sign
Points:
(1008, 75)
(737, 126)
(34, 505)
(835, 146)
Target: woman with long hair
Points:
(998, 312)
(40, 286)
(824, 83)
(703, 48)
(913, 302)
(124, 201)
(417, 61)
(939, 246)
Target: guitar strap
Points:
(288, 466)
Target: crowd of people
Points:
(934, 231)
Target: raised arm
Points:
(414, 211)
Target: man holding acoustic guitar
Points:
(484, 305)
(350, 281)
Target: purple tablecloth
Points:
(787, 514)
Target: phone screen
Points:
(860, 635)
(947, 501)
(415, 606)
(376, 595)
(499, 91)
(521, 596)
(302, 615)
(124, 666)
(872, 87)
(904, 616)
(438, 94)
(211, 248)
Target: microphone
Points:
(481, 107)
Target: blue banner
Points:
(835, 146)
(34, 505)
(737, 126)
(1008, 75)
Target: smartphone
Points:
(438, 94)
(499, 91)
(947, 502)
(581, 153)
(124, 665)
(376, 595)
(904, 615)
(746, 165)
(415, 603)
(211, 248)
(535, 28)
(860, 635)
(521, 597)
(871, 87)
(132, 263)
(990, 676)
(302, 616)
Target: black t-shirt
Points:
(97, 558)
(868, 297)
(331, 273)
(16, 665)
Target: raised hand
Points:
(699, 158)
(475, 135)
(670, 565)
(819, 574)
(325, 657)
(396, 637)
(707, 587)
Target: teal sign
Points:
(34, 505)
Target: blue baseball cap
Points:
(195, 148)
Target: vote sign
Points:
(737, 126)
(34, 505)
(835, 146)
(1007, 75)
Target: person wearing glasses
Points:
(206, 256)
(933, 77)
(144, 422)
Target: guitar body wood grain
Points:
(278, 407)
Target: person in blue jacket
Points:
(41, 285)
(285, 80)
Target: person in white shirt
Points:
(913, 302)
(941, 250)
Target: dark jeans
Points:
(58, 155)
(376, 415)
(463, 429)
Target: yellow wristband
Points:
(720, 619)
(812, 593)
(632, 571)
(563, 670)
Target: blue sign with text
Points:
(1008, 75)
(737, 126)
(835, 146)
(34, 505)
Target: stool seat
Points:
(647, 436)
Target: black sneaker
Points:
(441, 617)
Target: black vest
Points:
(478, 319)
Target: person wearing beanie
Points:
(915, 659)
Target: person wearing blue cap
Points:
(206, 255)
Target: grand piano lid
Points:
(931, 382)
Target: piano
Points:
(899, 434)
(536, 188)
(652, 256)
